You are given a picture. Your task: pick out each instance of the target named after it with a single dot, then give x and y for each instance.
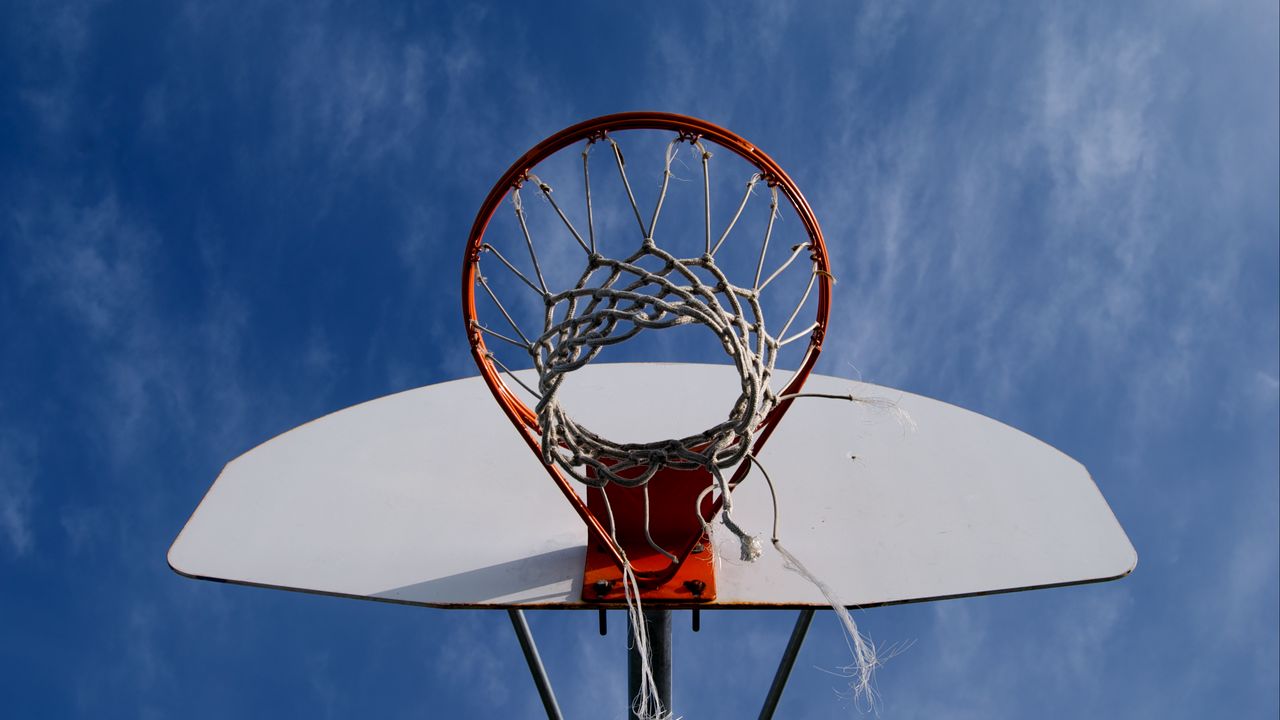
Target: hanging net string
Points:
(866, 656)
(865, 659)
(613, 300)
(647, 704)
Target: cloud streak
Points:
(17, 495)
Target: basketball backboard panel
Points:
(427, 498)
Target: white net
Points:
(614, 300)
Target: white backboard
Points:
(429, 497)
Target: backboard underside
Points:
(428, 497)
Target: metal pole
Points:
(538, 672)
(787, 662)
(658, 623)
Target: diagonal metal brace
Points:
(787, 662)
(536, 669)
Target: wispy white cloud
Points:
(466, 657)
(933, 217)
(17, 493)
(1246, 582)
(86, 528)
(599, 659)
(690, 77)
(981, 235)
(89, 258)
(1267, 385)
(322, 683)
(362, 100)
(140, 638)
(352, 96)
(961, 639)
(58, 31)
(1084, 637)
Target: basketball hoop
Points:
(648, 505)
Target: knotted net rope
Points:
(614, 300)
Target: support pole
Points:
(538, 672)
(658, 623)
(787, 662)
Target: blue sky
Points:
(219, 222)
